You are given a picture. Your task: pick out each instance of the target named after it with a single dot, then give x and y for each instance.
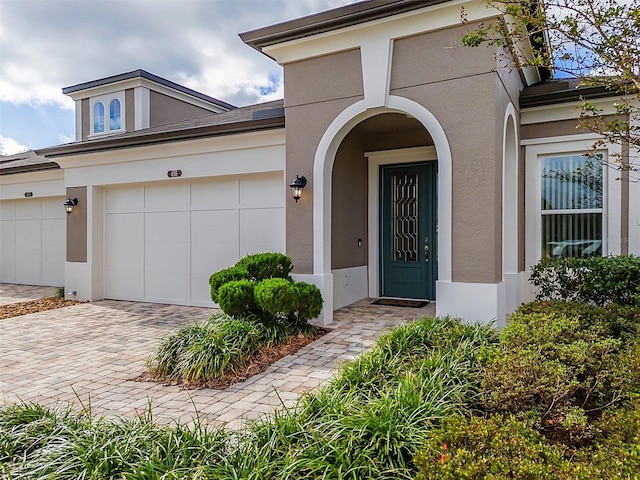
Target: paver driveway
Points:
(91, 351)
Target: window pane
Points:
(571, 182)
(114, 115)
(98, 118)
(572, 235)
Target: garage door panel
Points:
(200, 289)
(262, 225)
(262, 191)
(165, 197)
(127, 199)
(124, 227)
(32, 241)
(29, 209)
(7, 210)
(53, 235)
(166, 257)
(221, 194)
(124, 244)
(52, 273)
(7, 250)
(189, 231)
(166, 287)
(124, 284)
(53, 209)
(165, 227)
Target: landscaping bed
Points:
(11, 310)
(555, 395)
(253, 365)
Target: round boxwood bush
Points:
(261, 266)
(276, 296)
(309, 301)
(227, 275)
(236, 298)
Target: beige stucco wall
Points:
(461, 87)
(316, 91)
(129, 110)
(85, 115)
(164, 109)
(77, 226)
(349, 205)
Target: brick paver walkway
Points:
(21, 293)
(91, 352)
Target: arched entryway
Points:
(404, 134)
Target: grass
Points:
(201, 352)
(367, 423)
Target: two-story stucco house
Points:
(433, 171)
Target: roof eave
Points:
(162, 137)
(565, 96)
(322, 22)
(29, 168)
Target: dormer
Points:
(134, 101)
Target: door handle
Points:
(426, 249)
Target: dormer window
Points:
(98, 117)
(114, 115)
(111, 105)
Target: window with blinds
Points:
(571, 206)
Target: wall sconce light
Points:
(297, 186)
(69, 204)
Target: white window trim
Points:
(106, 101)
(611, 217)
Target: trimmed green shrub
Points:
(236, 298)
(309, 301)
(261, 287)
(596, 280)
(276, 296)
(227, 275)
(261, 266)
(618, 321)
(553, 363)
(498, 447)
(506, 447)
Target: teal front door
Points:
(408, 231)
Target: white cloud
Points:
(9, 146)
(66, 139)
(190, 41)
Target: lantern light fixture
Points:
(297, 186)
(69, 204)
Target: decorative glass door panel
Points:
(408, 231)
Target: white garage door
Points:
(32, 241)
(163, 241)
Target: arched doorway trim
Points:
(323, 168)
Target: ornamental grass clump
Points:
(202, 352)
(367, 423)
(375, 413)
(54, 443)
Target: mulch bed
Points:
(33, 306)
(254, 365)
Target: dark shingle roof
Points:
(262, 116)
(25, 162)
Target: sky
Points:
(46, 45)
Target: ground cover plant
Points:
(367, 423)
(560, 391)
